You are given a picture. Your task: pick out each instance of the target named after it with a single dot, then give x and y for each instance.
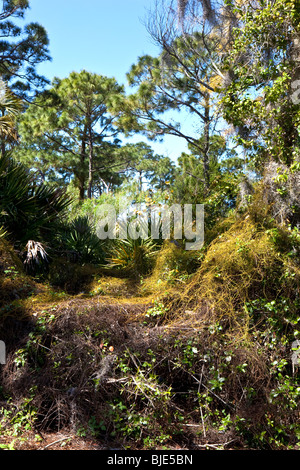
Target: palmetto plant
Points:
(28, 211)
(79, 240)
(10, 107)
(132, 256)
(135, 256)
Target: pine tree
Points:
(68, 130)
(21, 49)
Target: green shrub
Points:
(134, 257)
(79, 242)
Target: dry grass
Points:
(240, 265)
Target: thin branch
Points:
(56, 442)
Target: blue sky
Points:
(104, 37)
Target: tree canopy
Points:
(21, 49)
(68, 132)
(263, 64)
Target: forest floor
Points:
(50, 441)
(120, 298)
(122, 305)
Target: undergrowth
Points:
(196, 355)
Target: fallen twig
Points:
(56, 442)
(216, 446)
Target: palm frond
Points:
(27, 210)
(36, 256)
(133, 256)
(79, 240)
(10, 108)
(2, 232)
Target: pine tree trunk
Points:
(81, 178)
(81, 191)
(91, 164)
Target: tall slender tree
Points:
(156, 171)
(178, 81)
(183, 83)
